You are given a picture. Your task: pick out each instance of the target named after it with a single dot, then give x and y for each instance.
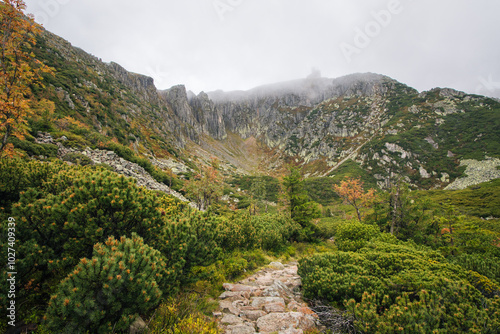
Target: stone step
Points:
(267, 302)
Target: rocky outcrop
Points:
(267, 302)
(306, 118)
(119, 165)
(141, 84)
(316, 122)
(199, 113)
(476, 172)
(208, 115)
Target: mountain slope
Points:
(385, 126)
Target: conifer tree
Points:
(61, 221)
(106, 293)
(302, 210)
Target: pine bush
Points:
(396, 287)
(106, 293)
(354, 235)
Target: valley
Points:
(136, 210)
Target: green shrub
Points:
(234, 267)
(182, 315)
(329, 226)
(74, 207)
(106, 293)
(450, 311)
(488, 266)
(354, 235)
(201, 245)
(244, 231)
(32, 148)
(18, 175)
(78, 158)
(400, 287)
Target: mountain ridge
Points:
(314, 122)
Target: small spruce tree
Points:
(105, 294)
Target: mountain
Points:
(384, 126)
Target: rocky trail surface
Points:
(269, 301)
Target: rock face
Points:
(306, 117)
(383, 125)
(476, 172)
(209, 115)
(267, 302)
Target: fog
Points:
(240, 44)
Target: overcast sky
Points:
(239, 44)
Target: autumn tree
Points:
(18, 70)
(353, 193)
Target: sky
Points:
(240, 44)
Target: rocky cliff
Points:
(385, 126)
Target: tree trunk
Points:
(358, 213)
(394, 209)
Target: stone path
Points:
(267, 302)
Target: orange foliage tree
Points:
(18, 70)
(353, 193)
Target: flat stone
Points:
(241, 303)
(274, 322)
(294, 306)
(235, 295)
(277, 265)
(238, 287)
(253, 315)
(240, 329)
(249, 308)
(265, 281)
(231, 319)
(306, 321)
(277, 289)
(256, 293)
(274, 307)
(227, 306)
(271, 292)
(291, 331)
(259, 302)
(306, 310)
